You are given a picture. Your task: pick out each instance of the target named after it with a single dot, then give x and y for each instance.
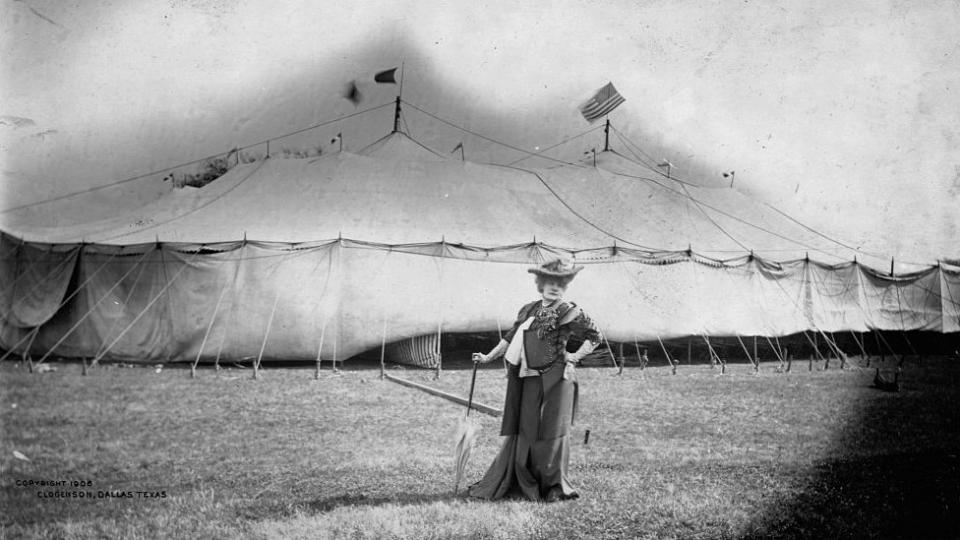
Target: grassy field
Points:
(696, 455)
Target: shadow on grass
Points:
(896, 473)
(893, 496)
(277, 509)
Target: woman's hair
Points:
(540, 280)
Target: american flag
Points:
(605, 100)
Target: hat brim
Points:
(547, 273)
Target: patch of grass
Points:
(695, 455)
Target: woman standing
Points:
(541, 392)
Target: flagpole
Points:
(606, 136)
(396, 116)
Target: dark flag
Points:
(353, 93)
(605, 100)
(388, 76)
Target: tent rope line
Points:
(126, 301)
(64, 302)
(266, 333)
(628, 143)
(206, 335)
(699, 203)
(192, 162)
(484, 137)
(92, 308)
(154, 225)
(574, 212)
(552, 146)
(147, 308)
(626, 140)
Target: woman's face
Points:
(553, 290)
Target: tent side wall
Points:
(245, 300)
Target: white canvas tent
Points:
(325, 257)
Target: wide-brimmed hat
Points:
(557, 268)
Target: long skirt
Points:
(529, 465)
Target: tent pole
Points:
(747, 352)
(163, 268)
(860, 345)
(640, 356)
(673, 367)
(383, 348)
(755, 355)
(689, 351)
(216, 309)
(233, 304)
(714, 357)
(603, 337)
(440, 314)
(266, 333)
(606, 137)
(780, 365)
(339, 321)
(323, 331)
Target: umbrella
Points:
(467, 433)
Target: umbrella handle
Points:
(473, 381)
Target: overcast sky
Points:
(844, 113)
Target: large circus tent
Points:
(326, 256)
